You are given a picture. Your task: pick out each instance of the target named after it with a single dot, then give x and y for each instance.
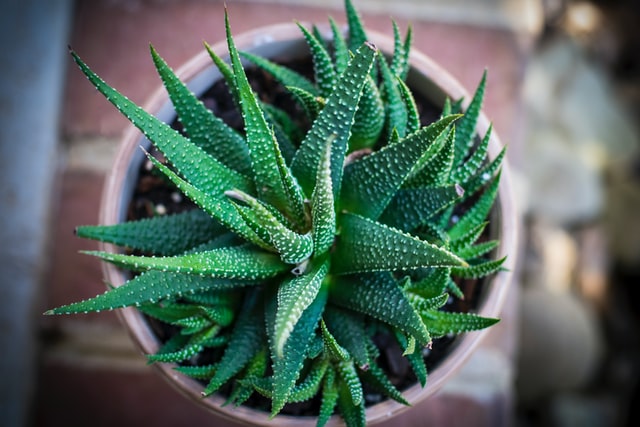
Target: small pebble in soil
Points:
(176, 197)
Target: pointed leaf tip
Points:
(294, 296)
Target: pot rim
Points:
(495, 294)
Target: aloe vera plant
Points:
(301, 252)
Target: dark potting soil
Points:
(154, 195)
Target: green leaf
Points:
(407, 50)
(246, 340)
(325, 74)
(193, 325)
(220, 209)
(357, 33)
(335, 118)
(394, 138)
(227, 74)
(468, 168)
(479, 270)
(410, 348)
(256, 368)
(352, 415)
(370, 183)
(148, 288)
(400, 61)
(379, 296)
(329, 397)
(469, 238)
(194, 345)
(215, 341)
(211, 298)
(252, 221)
(316, 346)
(369, 119)
(295, 206)
(467, 125)
(318, 35)
(171, 312)
(397, 115)
(430, 285)
(189, 159)
(478, 212)
(163, 235)
(183, 354)
(173, 344)
(484, 175)
(227, 263)
(197, 372)
(284, 129)
(478, 250)
(413, 116)
(456, 107)
(222, 315)
(377, 379)
(335, 350)
(292, 247)
(224, 240)
(341, 51)
(309, 102)
(349, 330)
(433, 303)
(454, 289)
(203, 127)
(437, 170)
(310, 386)
(284, 75)
(446, 108)
(260, 137)
(433, 232)
(294, 297)
(416, 360)
(441, 323)
(366, 246)
(263, 385)
(286, 370)
(347, 372)
(413, 207)
(323, 215)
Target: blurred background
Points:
(564, 94)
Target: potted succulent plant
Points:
(324, 228)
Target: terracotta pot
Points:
(282, 41)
